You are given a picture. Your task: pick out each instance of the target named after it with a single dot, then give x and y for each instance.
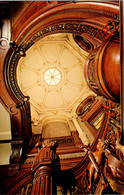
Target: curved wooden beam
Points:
(41, 14)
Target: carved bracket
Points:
(16, 152)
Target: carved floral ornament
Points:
(68, 27)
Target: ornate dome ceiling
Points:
(52, 75)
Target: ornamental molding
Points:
(18, 51)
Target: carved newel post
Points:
(45, 165)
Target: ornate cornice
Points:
(18, 51)
(61, 10)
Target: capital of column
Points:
(46, 156)
(44, 167)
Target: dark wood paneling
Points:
(103, 69)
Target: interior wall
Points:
(5, 150)
(56, 129)
(5, 134)
(5, 126)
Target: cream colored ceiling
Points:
(59, 52)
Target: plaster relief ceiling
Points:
(52, 74)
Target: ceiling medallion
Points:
(52, 76)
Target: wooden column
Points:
(44, 167)
(43, 181)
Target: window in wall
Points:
(52, 76)
(98, 120)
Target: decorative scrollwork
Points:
(16, 153)
(13, 109)
(90, 73)
(18, 49)
(3, 43)
(114, 126)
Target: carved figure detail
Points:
(107, 164)
(96, 168)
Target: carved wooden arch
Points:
(38, 20)
(43, 14)
(11, 104)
